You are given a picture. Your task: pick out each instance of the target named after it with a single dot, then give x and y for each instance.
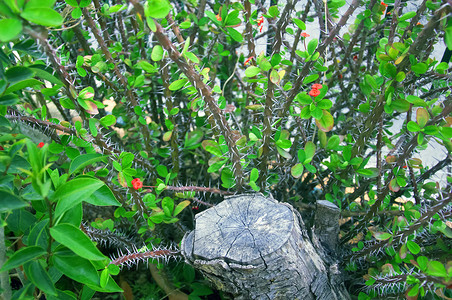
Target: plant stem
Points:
(4, 276)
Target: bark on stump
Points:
(253, 247)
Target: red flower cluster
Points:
(315, 90)
(40, 145)
(248, 60)
(137, 184)
(260, 23)
(305, 35)
(1, 148)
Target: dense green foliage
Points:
(121, 120)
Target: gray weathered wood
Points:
(327, 224)
(253, 247)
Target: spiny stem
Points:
(205, 91)
(194, 189)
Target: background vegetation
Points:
(122, 120)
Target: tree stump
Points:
(253, 247)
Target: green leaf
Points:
(312, 45)
(274, 77)
(254, 175)
(252, 71)
(74, 192)
(310, 78)
(237, 36)
(157, 8)
(84, 160)
(73, 238)
(104, 278)
(44, 74)
(38, 275)
(301, 155)
(422, 117)
(216, 166)
(193, 138)
(177, 84)
(168, 206)
(413, 126)
(310, 168)
(420, 68)
(108, 120)
(446, 132)
(84, 272)
(92, 126)
(22, 256)
(9, 99)
(227, 178)
(9, 29)
(284, 144)
(16, 74)
(325, 104)
(413, 247)
(448, 34)
(23, 84)
(371, 81)
(326, 122)
(309, 150)
(299, 23)
(400, 76)
(415, 100)
(368, 172)
(151, 23)
(297, 170)
(254, 186)
(382, 236)
(102, 197)
(157, 53)
(72, 3)
(10, 201)
(394, 186)
(273, 11)
(422, 262)
(333, 142)
(414, 290)
(407, 16)
(180, 207)
(435, 268)
(42, 16)
(190, 56)
(264, 64)
(39, 3)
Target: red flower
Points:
(304, 34)
(248, 60)
(316, 86)
(218, 17)
(314, 93)
(355, 57)
(384, 4)
(260, 21)
(137, 184)
(1, 148)
(40, 145)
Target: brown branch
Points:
(395, 17)
(268, 109)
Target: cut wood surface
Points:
(253, 247)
